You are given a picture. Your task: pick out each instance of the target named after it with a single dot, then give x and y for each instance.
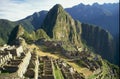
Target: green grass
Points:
(92, 77)
(57, 72)
(80, 63)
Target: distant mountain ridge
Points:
(105, 15)
(34, 20)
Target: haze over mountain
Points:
(105, 15)
(85, 13)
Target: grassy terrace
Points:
(57, 72)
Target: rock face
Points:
(16, 33)
(60, 26)
(40, 33)
(99, 39)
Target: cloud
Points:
(18, 1)
(19, 9)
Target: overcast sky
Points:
(18, 9)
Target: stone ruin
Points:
(47, 70)
(68, 71)
(14, 60)
(16, 63)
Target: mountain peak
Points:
(57, 8)
(95, 4)
(55, 14)
(16, 33)
(19, 30)
(36, 14)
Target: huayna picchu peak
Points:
(58, 47)
(60, 26)
(58, 8)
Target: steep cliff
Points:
(101, 40)
(16, 33)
